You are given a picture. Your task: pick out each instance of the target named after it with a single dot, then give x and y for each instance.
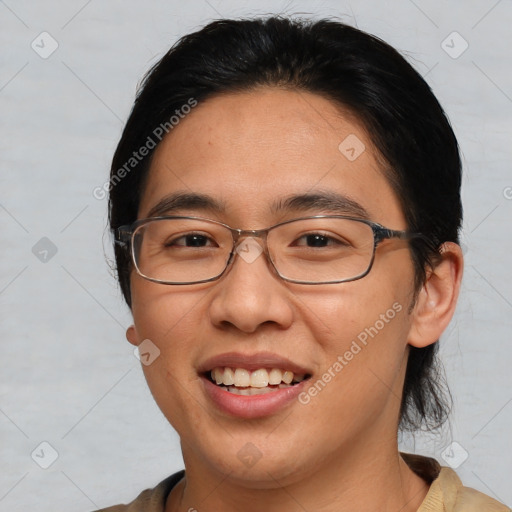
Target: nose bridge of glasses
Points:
(246, 246)
(239, 235)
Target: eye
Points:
(191, 240)
(320, 240)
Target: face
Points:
(248, 151)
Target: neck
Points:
(363, 478)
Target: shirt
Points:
(446, 493)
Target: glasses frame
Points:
(124, 237)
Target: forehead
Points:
(250, 151)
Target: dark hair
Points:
(357, 71)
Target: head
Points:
(250, 112)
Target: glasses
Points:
(321, 249)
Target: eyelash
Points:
(304, 236)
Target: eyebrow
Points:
(325, 201)
(186, 201)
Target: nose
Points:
(250, 294)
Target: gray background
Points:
(68, 377)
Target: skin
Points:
(339, 452)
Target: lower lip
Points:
(254, 406)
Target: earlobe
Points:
(132, 336)
(437, 300)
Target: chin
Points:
(240, 459)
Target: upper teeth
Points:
(261, 378)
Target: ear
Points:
(436, 301)
(132, 336)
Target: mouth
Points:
(241, 381)
(252, 386)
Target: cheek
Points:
(165, 313)
(170, 319)
(364, 363)
(354, 310)
(362, 327)
(367, 338)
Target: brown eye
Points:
(190, 240)
(319, 240)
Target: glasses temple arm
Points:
(122, 235)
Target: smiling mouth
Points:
(240, 381)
